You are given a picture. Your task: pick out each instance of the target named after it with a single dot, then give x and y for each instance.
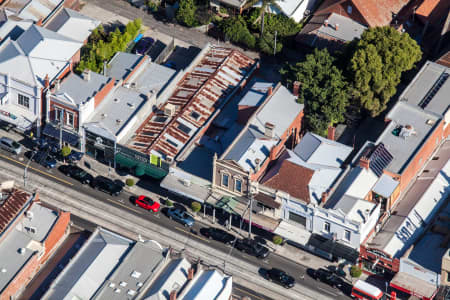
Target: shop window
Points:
(225, 179)
(326, 227)
(24, 101)
(238, 185)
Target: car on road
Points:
(143, 45)
(328, 277)
(106, 185)
(180, 216)
(10, 145)
(76, 173)
(218, 235)
(44, 158)
(252, 247)
(280, 277)
(147, 203)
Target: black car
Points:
(218, 235)
(328, 277)
(280, 277)
(143, 45)
(77, 173)
(106, 185)
(252, 247)
(43, 158)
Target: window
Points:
(297, 218)
(69, 119)
(326, 227)
(58, 112)
(238, 185)
(349, 9)
(184, 128)
(24, 101)
(225, 178)
(195, 115)
(347, 235)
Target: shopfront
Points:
(100, 148)
(14, 117)
(374, 261)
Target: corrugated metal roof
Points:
(11, 207)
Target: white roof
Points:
(385, 186)
(208, 285)
(354, 208)
(360, 182)
(13, 29)
(367, 287)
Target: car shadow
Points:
(262, 272)
(311, 273)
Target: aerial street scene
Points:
(224, 149)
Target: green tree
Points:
(65, 151)
(265, 6)
(186, 13)
(266, 44)
(379, 59)
(235, 29)
(323, 90)
(129, 182)
(195, 206)
(355, 271)
(277, 240)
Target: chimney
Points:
(324, 197)
(86, 75)
(46, 81)
(257, 164)
(296, 88)
(191, 273)
(331, 133)
(269, 91)
(173, 295)
(269, 127)
(325, 23)
(273, 153)
(336, 26)
(364, 162)
(57, 84)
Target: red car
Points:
(147, 203)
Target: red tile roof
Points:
(291, 178)
(11, 207)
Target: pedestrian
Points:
(226, 223)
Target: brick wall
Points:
(52, 113)
(55, 236)
(103, 92)
(21, 279)
(139, 64)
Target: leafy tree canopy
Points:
(235, 30)
(379, 59)
(186, 13)
(266, 44)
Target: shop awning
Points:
(334, 248)
(141, 168)
(228, 204)
(67, 136)
(21, 118)
(295, 233)
(267, 200)
(414, 286)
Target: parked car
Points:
(106, 185)
(328, 277)
(75, 156)
(252, 247)
(44, 158)
(147, 203)
(10, 145)
(143, 45)
(280, 277)
(180, 216)
(76, 173)
(218, 235)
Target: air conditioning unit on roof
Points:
(170, 109)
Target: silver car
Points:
(10, 145)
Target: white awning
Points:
(185, 187)
(21, 118)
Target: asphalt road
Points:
(122, 201)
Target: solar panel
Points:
(380, 159)
(433, 91)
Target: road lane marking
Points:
(123, 205)
(37, 170)
(190, 233)
(247, 293)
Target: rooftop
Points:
(122, 64)
(72, 24)
(11, 206)
(407, 131)
(355, 208)
(91, 266)
(22, 237)
(417, 206)
(152, 79)
(209, 284)
(13, 29)
(32, 10)
(201, 92)
(135, 270)
(385, 186)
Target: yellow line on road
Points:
(254, 296)
(123, 205)
(188, 232)
(37, 170)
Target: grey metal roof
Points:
(122, 64)
(404, 148)
(130, 277)
(255, 95)
(346, 31)
(116, 110)
(13, 29)
(354, 208)
(81, 90)
(90, 267)
(307, 146)
(174, 277)
(153, 78)
(423, 82)
(385, 186)
(233, 3)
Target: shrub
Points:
(235, 29)
(129, 182)
(355, 271)
(65, 151)
(196, 206)
(169, 203)
(277, 240)
(186, 13)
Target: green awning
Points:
(124, 161)
(140, 168)
(227, 203)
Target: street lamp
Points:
(25, 171)
(253, 192)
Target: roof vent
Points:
(186, 182)
(430, 122)
(32, 230)
(3, 270)
(29, 215)
(123, 283)
(116, 100)
(139, 284)
(131, 105)
(104, 115)
(112, 285)
(169, 110)
(136, 274)
(126, 85)
(131, 292)
(133, 84)
(117, 291)
(118, 121)
(22, 251)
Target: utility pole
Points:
(250, 216)
(61, 120)
(25, 171)
(275, 46)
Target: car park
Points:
(147, 203)
(328, 277)
(106, 185)
(180, 216)
(10, 145)
(280, 277)
(252, 247)
(218, 235)
(76, 173)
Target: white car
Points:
(10, 145)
